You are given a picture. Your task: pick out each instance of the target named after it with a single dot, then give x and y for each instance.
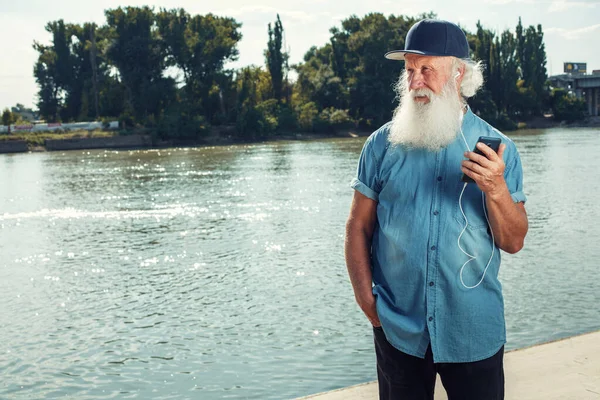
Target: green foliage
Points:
(307, 116)
(48, 73)
(200, 46)
(269, 111)
(526, 101)
(126, 119)
(8, 118)
(165, 71)
(566, 107)
(276, 58)
(483, 105)
(370, 77)
(256, 119)
(137, 53)
(119, 70)
(254, 123)
(334, 120)
(286, 119)
(350, 72)
(182, 124)
(503, 122)
(515, 75)
(321, 85)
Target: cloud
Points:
(573, 34)
(563, 5)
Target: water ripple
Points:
(218, 272)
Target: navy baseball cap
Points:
(432, 37)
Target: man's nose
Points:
(416, 81)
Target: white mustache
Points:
(422, 92)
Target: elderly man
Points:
(422, 246)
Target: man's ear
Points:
(460, 74)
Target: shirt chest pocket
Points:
(472, 203)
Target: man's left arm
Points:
(508, 219)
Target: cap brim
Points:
(399, 54)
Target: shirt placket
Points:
(433, 250)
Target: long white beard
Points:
(430, 126)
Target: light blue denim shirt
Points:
(415, 257)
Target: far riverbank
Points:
(218, 136)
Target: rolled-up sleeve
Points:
(514, 179)
(366, 180)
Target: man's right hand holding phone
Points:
(486, 170)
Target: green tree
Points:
(256, 116)
(73, 74)
(515, 74)
(520, 43)
(351, 73)
(540, 75)
(276, 58)
(77, 101)
(8, 118)
(566, 107)
(531, 56)
(45, 75)
(318, 82)
(371, 80)
(509, 72)
(307, 116)
(137, 53)
(200, 46)
(54, 71)
(90, 71)
(483, 49)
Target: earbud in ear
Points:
(457, 75)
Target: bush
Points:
(126, 119)
(286, 119)
(255, 122)
(269, 111)
(332, 120)
(307, 116)
(339, 119)
(567, 107)
(179, 123)
(503, 123)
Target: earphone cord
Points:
(472, 257)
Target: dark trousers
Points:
(405, 377)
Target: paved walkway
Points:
(567, 369)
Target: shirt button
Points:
(436, 212)
(439, 178)
(430, 318)
(433, 247)
(430, 283)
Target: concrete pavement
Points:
(567, 369)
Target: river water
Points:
(218, 272)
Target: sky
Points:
(571, 28)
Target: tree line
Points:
(166, 72)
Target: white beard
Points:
(430, 126)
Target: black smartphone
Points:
(492, 142)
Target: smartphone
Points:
(492, 142)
